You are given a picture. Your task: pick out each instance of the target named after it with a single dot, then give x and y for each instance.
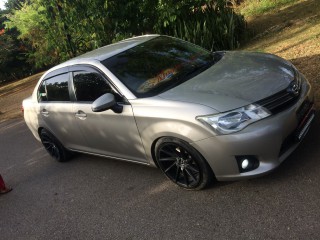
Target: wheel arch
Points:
(49, 139)
(152, 147)
(208, 175)
(51, 132)
(153, 151)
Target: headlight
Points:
(235, 120)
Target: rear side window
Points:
(42, 92)
(89, 86)
(55, 89)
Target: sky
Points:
(2, 3)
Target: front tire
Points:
(182, 164)
(55, 149)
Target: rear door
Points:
(107, 133)
(56, 109)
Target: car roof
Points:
(108, 50)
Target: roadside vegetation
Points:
(52, 31)
(255, 7)
(290, 29)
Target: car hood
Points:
(238, 79)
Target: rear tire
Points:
(182, 164)
(55, 149)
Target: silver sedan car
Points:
(160, 101)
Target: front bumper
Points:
(270, 141)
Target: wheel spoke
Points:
(172, 154)
(56, 153)
(167, 159)
(171, 166)
(185, 177)
(184, 153)
(52, 151)
(177, 174)
(48, 147)
(191, 175)
(192, 168)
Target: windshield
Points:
(158, 65)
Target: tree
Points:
(60, 29)
(14, 4)
(13, 63)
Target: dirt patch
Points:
(292, 32)
(12, 94)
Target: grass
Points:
(291, 32)
(256, 7)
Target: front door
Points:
(107, 133)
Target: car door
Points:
(56, 109)
(107, 133)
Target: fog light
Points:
(247, 163)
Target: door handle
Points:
(44, 112)
(81, 115)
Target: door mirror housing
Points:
(103, 103)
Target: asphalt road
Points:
(96, 198)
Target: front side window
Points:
(54, 89)
(158, 65)
(89, 86)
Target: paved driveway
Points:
(97, 198)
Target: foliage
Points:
(59, 29)
(12, 54)
(14, 4)
(254, 7)
(212, 25)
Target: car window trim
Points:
(71, 89)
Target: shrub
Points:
(214, 26)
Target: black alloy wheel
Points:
(53, 146)
(182, 164)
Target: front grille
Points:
(279, 101)
(285, 98)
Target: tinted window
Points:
(57, 88)
(89, 86)
(158, 64)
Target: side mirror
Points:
(104, 102)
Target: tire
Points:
(55, 149)
(182, 164)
